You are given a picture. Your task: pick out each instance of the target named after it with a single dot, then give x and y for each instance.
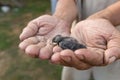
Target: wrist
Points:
(63, 21)
(66, 10)
(104, 14)
(68, 19)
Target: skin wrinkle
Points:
(83, 59)
(51, 46)
(96, 44)
(43, 25)
(42, 34)
(112, 37)
(35, 28)
(101, 51)
(99, 45)
(64, 61)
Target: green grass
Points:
(15, 65)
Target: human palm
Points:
(36, 37)
(102, 40)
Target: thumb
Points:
(112, 52)
(28, 31)
(111, 55)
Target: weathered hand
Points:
(36, 37)
(102, 40)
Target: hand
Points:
(36, 37)
(102, 40)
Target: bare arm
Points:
(66, 10)
(111, 13)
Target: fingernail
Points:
(112, 59)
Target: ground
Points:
(14, 64)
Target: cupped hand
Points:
(102, 40)
(37, 35)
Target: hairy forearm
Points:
(66, 10)
(111, 13)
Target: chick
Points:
(67, 42)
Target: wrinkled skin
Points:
(102, 40)
(37, 35)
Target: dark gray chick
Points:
(67, 42)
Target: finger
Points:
(68, 57)
(57, 49)
(33, 50)
(46, 52)
(56, 59)
(112, 54)
(113, 50)
(29, 31)
(27, 42)
(93, 58)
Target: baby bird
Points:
(67, 42)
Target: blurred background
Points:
(14, 64)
